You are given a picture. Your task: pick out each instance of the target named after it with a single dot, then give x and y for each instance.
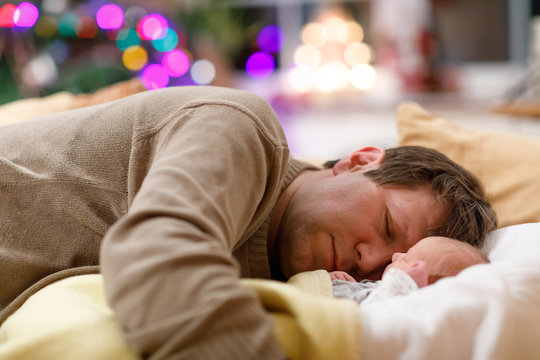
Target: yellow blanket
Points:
(70, 319)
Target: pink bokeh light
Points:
(110, 16)
(152, 27)
(176, 62)
(25, 15)
(155, 77)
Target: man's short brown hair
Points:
(469, 215)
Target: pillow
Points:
(24, 109)
(507, 164)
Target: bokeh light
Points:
(301, 78)
(135, 57)
(331, 47)
(126, 38)
(110, 16)
(203, 72)
(46, 26)
(270, 39)
(87, 28)
(54, 6)
(350, 32)
(362, 76)
(332, 26)
(58, 50)
(260, 65)
(155, 76)
(307, 55)
(6, 15)
(68, 24)
(357, 53)
(40, 71)
(152, 26)
(167, 42)
(25, 15)
(313, 34)
(133, 15)
(176, 62)
(332, 77)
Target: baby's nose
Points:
(397, 256)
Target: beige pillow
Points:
(24, 109)
(508, 164)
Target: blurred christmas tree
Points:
(82, 46)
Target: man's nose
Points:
(374, 255)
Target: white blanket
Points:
(489, 311)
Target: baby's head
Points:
(435, 257)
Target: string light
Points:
(110, 16)
(301, 78)
(176, 62)
(126, 38)
(155, 76)
(357, 53)
(362, 76)
(87, 28)
(203, 72)
(332, 56)
(46, 27)
(270, 39)
(152, 27)
(167, 42)
(25, 15)
(260, 65)
(6, 15)
(68, 24)
(135, 57)
(128, 29)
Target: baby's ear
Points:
(418, 271)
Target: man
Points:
(179, 192)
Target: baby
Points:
(429, 260)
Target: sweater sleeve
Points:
(168, 269)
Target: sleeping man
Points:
(169, 189)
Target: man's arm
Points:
(168, 268)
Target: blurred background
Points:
(333, 70)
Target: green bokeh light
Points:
(67, 25)
(127, 38)
(167, 42)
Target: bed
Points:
(488, 311)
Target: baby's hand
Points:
(340, 275)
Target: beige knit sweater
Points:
(188, 176)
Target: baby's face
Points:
(413, 262)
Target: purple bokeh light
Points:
(270, 38)
(155, 77)
(176, 62)
(152, 27)
(25, 15)
(110, 16)
(260, 65)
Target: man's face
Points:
(346, 222)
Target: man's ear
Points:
(367, 158)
